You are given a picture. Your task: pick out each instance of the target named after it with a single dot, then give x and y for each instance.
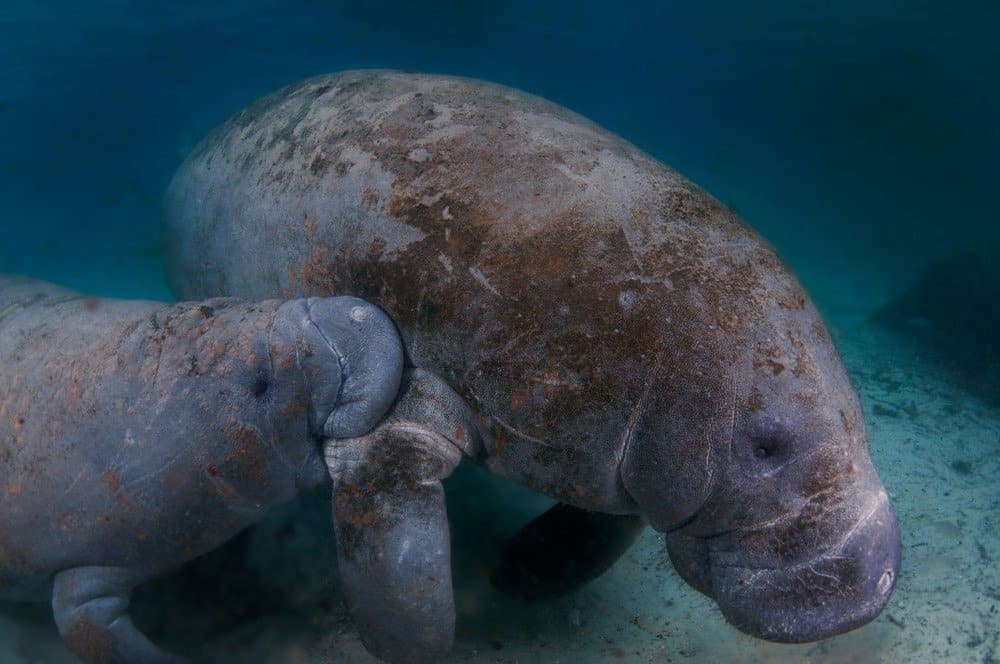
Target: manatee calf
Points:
(135, 436)
(630, 347)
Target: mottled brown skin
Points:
(135, 436)
(631, 346)
(84, 411)
(558, 244)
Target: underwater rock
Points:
(952, 310)
(629, 345)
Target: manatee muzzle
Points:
(842, 588)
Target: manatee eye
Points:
(260, 385)
(765, 447)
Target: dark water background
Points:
(860, 137)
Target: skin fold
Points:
(627, 345)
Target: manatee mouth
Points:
(839, 590)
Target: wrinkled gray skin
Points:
(135, 436)
(630, 347)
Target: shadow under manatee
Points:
(281, 572)
(281, 576)
(952, 311)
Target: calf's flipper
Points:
(90, 606)
(563, 549)
(393, 541)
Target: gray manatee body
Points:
(135, 436)
(631, 348)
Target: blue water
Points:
(860, 137)
(863, 136)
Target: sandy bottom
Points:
(273, 597)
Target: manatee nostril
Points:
(885, 582)
(259, 387)
(359, 314)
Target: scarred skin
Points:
(629, 345)
(135, 436)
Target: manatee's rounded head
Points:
(346, 357)
(759, 473)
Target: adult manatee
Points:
(631, 347)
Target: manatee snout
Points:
(770, 502)
(836, 591)
(331, 342)
(842, 581)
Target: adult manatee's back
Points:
(634, 348)
(546, 267)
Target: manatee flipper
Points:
(90, 606)
(393, 542)
(563, 549)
